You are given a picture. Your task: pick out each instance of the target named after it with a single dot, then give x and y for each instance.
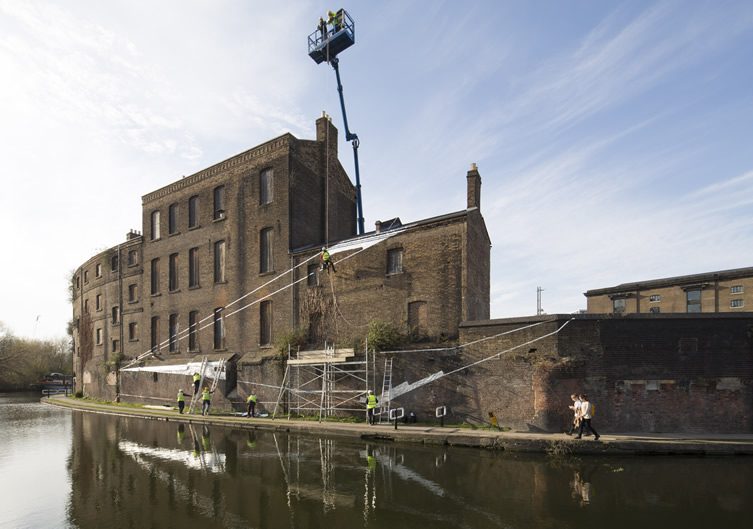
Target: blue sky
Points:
(613, 138)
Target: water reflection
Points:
(134, 473)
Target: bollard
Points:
(440, 412)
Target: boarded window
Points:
(193, 320)
(132, 293)
(219, 262)
(618, 305)
(219, 203)
(154, 276)
(219, 329)
(312, 278)
(115, 314)
(154, 339)
(133, 257)
(173, 333)
(133, 331)
(265, 251)
(172, 219)
(265, 323)
(395, 261)
(417, 318)
(193, 267)
(154, 227)
(693, 298)
(98, 270)
(114, 263)
(193, 211)
(173, 272)
(266, 178)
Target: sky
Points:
(614, 139)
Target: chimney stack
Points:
(326, 132)
(378, 226)
(474, 187)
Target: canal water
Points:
(68, 469)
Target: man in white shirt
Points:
(586, 410)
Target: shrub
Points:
(383, 335)
(294, 338)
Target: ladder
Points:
(386, 391)
(218, 371)
(196, 394)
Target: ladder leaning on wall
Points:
(384, 404)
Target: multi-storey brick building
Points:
(244, 234)
(722, 291)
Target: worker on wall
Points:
(196, 382)
(326, 260)
(251, 400)
(371, 404)
(206, 400)
(181, 401)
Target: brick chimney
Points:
(323, 126)
(474, 187)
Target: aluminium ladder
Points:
(386, 391)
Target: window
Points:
(115, 314)
(154, 339)
(193, 211)
(172, 219)
(395, 261)
(265, 323)
(313, 279)
(265, 251)
(172, 276)
(98, 302)
(193, 267)
(219, 203)
(618, 305)
(219, 329)
(86, 276)
(115, 345)
(173, 333)
(736, 289)
(654, 298)
(155, 226)
(417, 318)
(86, 306)
(98, 270)
(265, 186)
(99, 336)
(219, 262)
(132, 293)
(155, 277)
(133, 257)
(114, 263)
(693, 298)
(193, 320)
(736, 303)
(78, 281)
(654, 310)
(133, 331)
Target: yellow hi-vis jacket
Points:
(251, 398)
(181, 397)
(205, 395)
(371, 402)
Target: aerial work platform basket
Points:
(330, 39)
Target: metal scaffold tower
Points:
(325, 382)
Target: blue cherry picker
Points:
(332, 36)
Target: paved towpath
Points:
(608, 444)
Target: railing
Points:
(317, 38)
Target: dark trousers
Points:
(251, 409)
(196, 386)
(205, 407)
(181, 405)
(586, 423)
(370, 412)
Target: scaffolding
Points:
(326, 382)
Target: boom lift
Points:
(325, 43)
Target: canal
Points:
(69, 469)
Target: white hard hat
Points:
(371, 391)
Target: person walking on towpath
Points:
(181, 401)
(576, 414)
(326, 260)
(251, 400)
(586, 411)
(196, 381)
(371, 404)
(206, 400)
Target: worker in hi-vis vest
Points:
(251, 400)
(326, 260)
(196, 381)
(206, 400)
(181, 400)
(371, 404)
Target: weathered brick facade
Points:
(237, 229)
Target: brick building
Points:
(245, 234)
(722, 291)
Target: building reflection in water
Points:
(134, 473)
